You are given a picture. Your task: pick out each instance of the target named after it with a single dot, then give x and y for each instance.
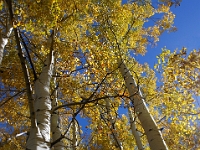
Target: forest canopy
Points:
(69, 78)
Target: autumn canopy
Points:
(69, 80)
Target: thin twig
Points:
(7, 100)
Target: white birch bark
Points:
(4, 40)
(39, 138)
(74, 135)
(134, 131)
(55, 124)
(154, 136)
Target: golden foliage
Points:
(90, 36)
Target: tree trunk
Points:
(74, 135)
(4, 40)
(133, 130)
(39, 138)
(55, 124)
(154, 136)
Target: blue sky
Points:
(187, 21)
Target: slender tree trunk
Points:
(4, 40)
(55, 124)
(4, 36)
(39, 138)
(154, 136)
(134, 131)
(74, 135)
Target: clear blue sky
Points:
(187, 21)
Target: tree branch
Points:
(29, 57)
(7, 100)
(24, 68)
